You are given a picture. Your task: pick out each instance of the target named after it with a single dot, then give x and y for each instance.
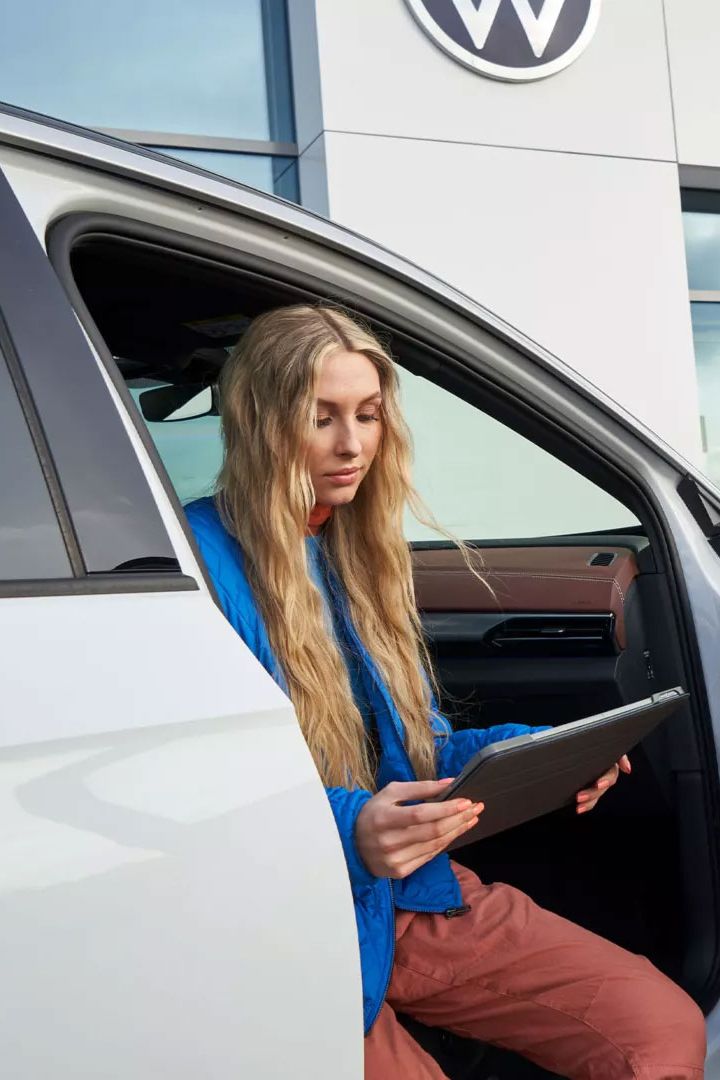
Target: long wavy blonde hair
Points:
(265, 495)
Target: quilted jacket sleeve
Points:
(346, 805)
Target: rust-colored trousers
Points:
(515, 975)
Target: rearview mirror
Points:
(171, 403)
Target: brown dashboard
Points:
(572, 580)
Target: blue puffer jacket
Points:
(433, 887)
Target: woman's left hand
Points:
(588, 797)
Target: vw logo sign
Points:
(515, 40)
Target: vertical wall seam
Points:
(670, 80)
(308, 101)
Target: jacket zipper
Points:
(449, 913)
(392, 957)
(374, 674)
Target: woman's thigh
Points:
(513, 974)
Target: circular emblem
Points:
(515, 40)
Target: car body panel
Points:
(157, 802)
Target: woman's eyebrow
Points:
(321, 403)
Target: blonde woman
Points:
(304, 543)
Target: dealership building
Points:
(556, 160)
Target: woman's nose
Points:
(348, 444)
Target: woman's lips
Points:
(342, 479)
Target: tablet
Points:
(530, 775)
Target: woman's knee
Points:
(653, 1020)
(678, 1034)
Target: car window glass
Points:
(482, 480)
(478, 477)
(170, 325)
(190, 446)
(31, 545)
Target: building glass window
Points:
(167, 72)
(702, 247)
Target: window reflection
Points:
(706, 332)
(168, 65)
(31, 545)
(702, 247)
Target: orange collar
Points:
(318, 516)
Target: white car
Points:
(173, 895)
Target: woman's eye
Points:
(322, 421)
(366, 417)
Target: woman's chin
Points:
(338, 496)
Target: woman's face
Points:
(348, 427)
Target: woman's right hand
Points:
(393, 839)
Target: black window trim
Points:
(81, 583)
(44, 457)
(97, 585)
(43, 342)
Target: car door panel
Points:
(156, 793)
(156, 912)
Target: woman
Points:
(305, 546)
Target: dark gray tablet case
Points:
(530, 775)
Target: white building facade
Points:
(555, 201)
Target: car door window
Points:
(31, 544)
(170, 321)
(482, 480)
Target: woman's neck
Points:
(318, 516)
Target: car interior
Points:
(572, 624)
